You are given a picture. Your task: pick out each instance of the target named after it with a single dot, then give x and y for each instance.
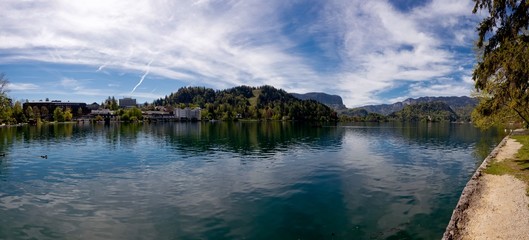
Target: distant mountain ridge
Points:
(332, 101)
(464, 104)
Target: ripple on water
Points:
(197, 181)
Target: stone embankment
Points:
(492, 206)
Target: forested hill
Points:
(425, 111)
(462, 105)
(246, 102)
(333, 101)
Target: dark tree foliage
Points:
(361, 115)
(425, 112)
(110, 103)
(246, 102)
(502, 73)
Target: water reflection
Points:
(245, 137)
(409, 175)
(234, 180)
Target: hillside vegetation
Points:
(421, 109)
(246, 102)
(463, 106)
(418, 112)
(428, 111)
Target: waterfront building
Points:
(93, 106)
(127, 102)
(102, 112)
(188, 114)
(50, 106)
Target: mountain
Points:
(333, 101)
(425, 111)
(462, 105)
(246, 102)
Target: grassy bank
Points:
(518, 167)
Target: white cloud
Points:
(71, 84)
(446, 88)
(224, 44)
(22, 86)
(383, 45)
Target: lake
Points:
(241, 180)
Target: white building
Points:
(102, 112)
(187, 114)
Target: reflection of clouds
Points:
(122, 178)
(192, 181)
(413, 174)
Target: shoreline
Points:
(472, 188)
(492, 206)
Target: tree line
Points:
(244, 102)
(419, 112)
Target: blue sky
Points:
(368, 52)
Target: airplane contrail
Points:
(143, 76)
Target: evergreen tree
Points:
(502, 74)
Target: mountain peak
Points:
(333, 101)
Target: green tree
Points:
(111, 103)
(133, 114)
(18, 113)
(68, 116)
(58, 114)
(502, 73)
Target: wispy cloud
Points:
(71, 84)
(358, 49)
(21, 86)
(383, 46)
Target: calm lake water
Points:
(235, 180)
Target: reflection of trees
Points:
(433, 134)
(456, 135)
(55, 132)
(7, 138)
(245, 137)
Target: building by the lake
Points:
(127, 102)
(187, 114)
(51, 105)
